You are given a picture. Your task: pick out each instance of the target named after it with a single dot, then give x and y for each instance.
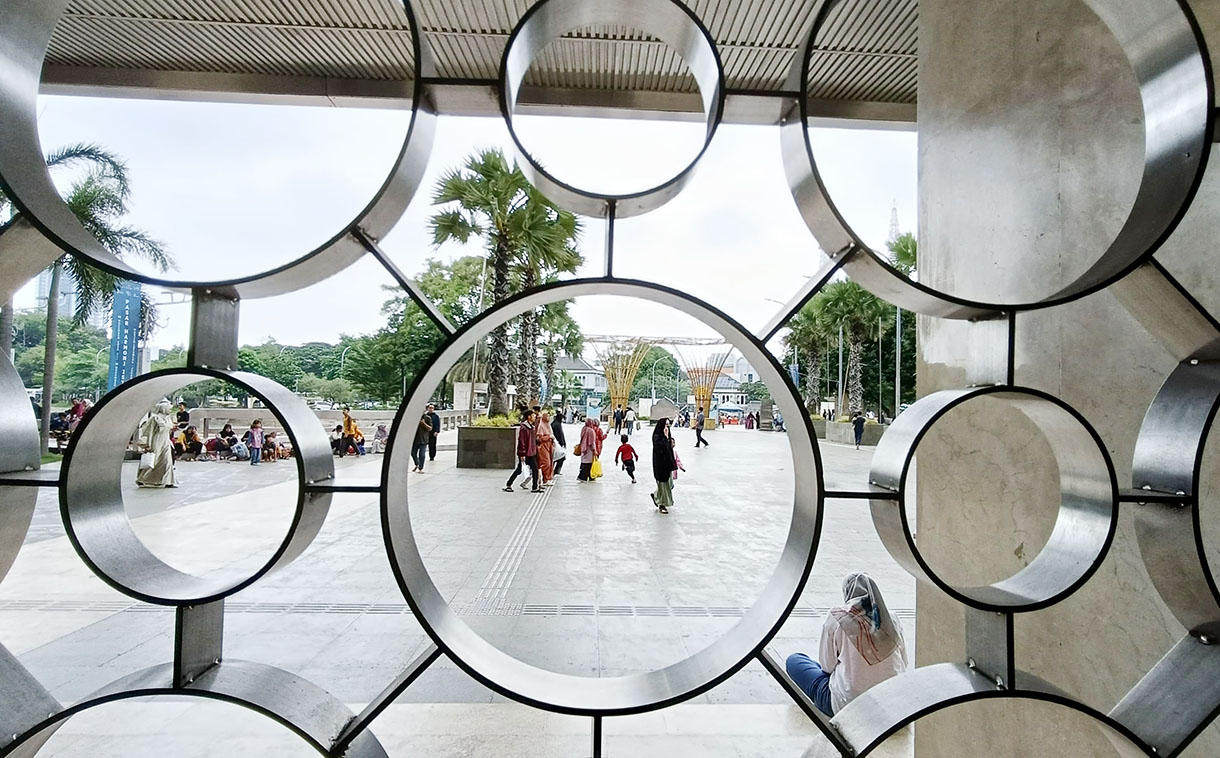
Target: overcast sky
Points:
(243, 188)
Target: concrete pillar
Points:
(1030, 147)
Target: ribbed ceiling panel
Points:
(867, 50)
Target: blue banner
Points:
(794, 371)
(125, 333)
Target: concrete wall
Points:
(1030, 147)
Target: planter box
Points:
(837, 431)
(487, 447)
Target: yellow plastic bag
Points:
(595, 472)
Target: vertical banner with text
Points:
(125, 333)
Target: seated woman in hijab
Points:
(862, 646)
(381, 439)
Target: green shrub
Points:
(512, 419)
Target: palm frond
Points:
(101, 159)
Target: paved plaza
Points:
(585, 579)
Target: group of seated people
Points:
(188, 445)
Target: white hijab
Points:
(865, 619)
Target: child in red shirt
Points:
(627, 453)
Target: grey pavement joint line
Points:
(501, 576)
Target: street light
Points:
(342, 356)
(652, 373)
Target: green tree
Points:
(566, 385)
(756, 391)
(862, 315)
(489, 199)
(664, 378)
(561, 335)
(336, 390)
(809, 333)
(99, 200)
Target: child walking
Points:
(255, 436)
(627, 453)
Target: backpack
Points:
(240, 451)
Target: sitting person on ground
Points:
(336, 438)
(271, 448)
(381, 439)
(177, 440)
(861, 647)
(192, 443)
(226, 440)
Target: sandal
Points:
(663, 509)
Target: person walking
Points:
(857, 422)
(154, 438)
(350, 431)
(434, 420)
(588, 448)
(546, 449)
(527, 453)
(618, 419)
(663, 466)
(419, 445)
(629, 420)
(626, 453)
(560, 441)
(699, 418)
(861, 647)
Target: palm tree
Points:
(566, 384)
(862, 315)
(99, 201)
(493, 200)
(903, 252)
(561, 335)
(808, 336)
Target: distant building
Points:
(736, 366)
(592, 380)
(728, 391)
(67, 298)
(67, 291)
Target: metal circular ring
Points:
(1088, 511)
(26, 27)
(617, 695)
(18, 455)
(1168, 460)
(668, 20)
(1164, 46)
(298, 704)
(866, 722)
(91, 500)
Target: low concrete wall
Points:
(487, 447)
(837, 431)
(211, 420)
(819, 428)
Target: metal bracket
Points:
(214, 317)
(198, 640)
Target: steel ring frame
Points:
(91, 500)
(670, 21)
(909, 697)
(26, 27)
(620, 695)
(18, 452)
(1088, 512)
(1168, 458)
(296, 703)
(1164, 46)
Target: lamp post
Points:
(652, 374)
(343, 356)
(474, 358)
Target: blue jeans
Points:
(419, 454)
(256, 455)
(813, 681)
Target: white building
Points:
(591, 379)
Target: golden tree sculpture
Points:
(621, 359)
(703, 383)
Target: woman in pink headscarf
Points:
(589, 447)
